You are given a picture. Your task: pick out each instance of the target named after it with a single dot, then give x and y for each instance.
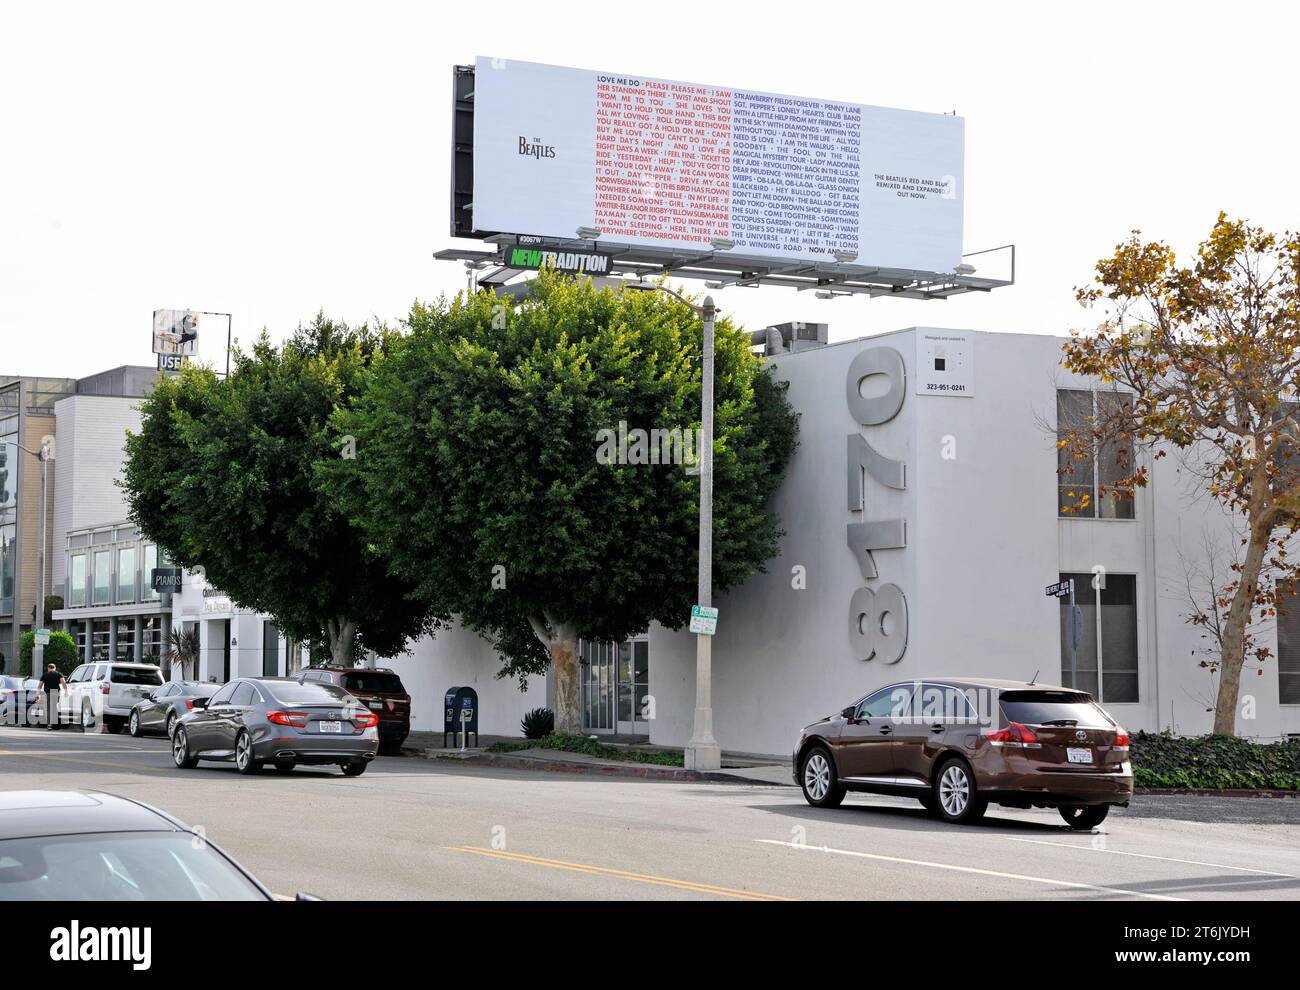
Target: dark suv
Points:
(958, 744)
(379, 689)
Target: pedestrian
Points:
(52, 683)
(2, 662)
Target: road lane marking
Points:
(1165, 859)
(559, 864)
(970, 869)
(73, 759)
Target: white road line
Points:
(1164, 859)
(970, 869)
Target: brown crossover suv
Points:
(379, 689)
(959, 744)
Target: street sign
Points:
(1059, 590)
(42, 637)
(166, 579)
(704, 620)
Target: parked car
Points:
(255, 721)
(160, 710)
(109, 690)
(379, 689)
(92, 846)
(958, 745)
(17, 695)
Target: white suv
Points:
(109, 690)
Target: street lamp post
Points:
(703, 751)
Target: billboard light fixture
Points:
(722, 243)
(588, 233)
(846, 257)
(965, 269)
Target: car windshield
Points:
(374, 682)
(119, 866)
(1053, 708)
(137, 675)
(200, 690)
(307, 693)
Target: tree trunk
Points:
(563, 647)
(342, 635)
(1233, 654)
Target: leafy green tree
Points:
(223, 475)
(492, 472)
(60, 651)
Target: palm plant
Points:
(183, 649)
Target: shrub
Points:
(538, 723)
(61, 651)
(1216, 762)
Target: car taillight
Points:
(296, 719)
(1014, 734)
(189, 703)
(105, 688)
(1121, 738)
(365, 720)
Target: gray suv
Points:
(255, 721)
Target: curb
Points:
(641, 771)
(1235, 792)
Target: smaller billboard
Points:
(175, 331)
(560, 258)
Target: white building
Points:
(964, 421)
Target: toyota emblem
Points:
(1080, 735)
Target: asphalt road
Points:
(411, 828)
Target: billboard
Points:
(175, 331)
(656, 163)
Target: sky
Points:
(275, 159)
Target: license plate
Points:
(331, 727)
(1078, 755)
(377, 705)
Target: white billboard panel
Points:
(650, 162)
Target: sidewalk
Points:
(739, 768)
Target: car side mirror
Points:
(200, 702)
(848, 712)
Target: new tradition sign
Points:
(651, 162)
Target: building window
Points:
(81, 634)
(151, 639)
(1079, 481)
(126, 574)
(1288, 647)
(77, 581)
(1113, 658)
(103, 559)
(126, 640)
(99, 634)
(8, 555)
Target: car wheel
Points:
(171, 725)
(354, 769)
(181, 751)
(956, 797)
(1086, 817)
(87, 716)
(817, 777)
(133, 726)
(245, 761)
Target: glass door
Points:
(597, 676)
(633, 687)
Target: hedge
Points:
(61, 651)
(1164, 760)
